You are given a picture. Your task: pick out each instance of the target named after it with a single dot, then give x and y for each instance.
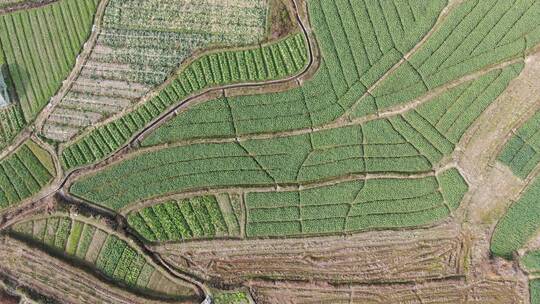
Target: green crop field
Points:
(520, 153)
(520, 223)
(270, 151)
(40, 47)
(24, 173)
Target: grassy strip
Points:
(519, 224)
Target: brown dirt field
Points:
(6, 298)
(445, 291)
(385, 256)
(280, 20)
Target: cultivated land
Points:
(270, 151)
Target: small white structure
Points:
(4, 97)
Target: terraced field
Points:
(105, 251)
(140, 44)
(287, 57)
(367, 258)
(271, 151)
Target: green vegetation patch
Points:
(40, 47)
(24, 173)
(231, 298)
(519, 224)
(355, 206)
(521, 152)
(192, 218)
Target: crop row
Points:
(24, 173)
(520, 223)
(40, 46)
(207, 71)
(103, 250)
(193, 218)
(355, 206)
(521, 152)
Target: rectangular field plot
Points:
(194, 218)
(368, 257)
(521, 152)
(355, 206)
(24, 173)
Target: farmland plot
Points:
(24, 173)
(520, 223)
(71, 284)
(193, 218)
(521, 152)
(104, 251)
(287, 57)
(58, 31)
(40, 46)
(140, 44)
(382, 256)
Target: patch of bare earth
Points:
(444, 291)
(384, 256)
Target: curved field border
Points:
(188, 101)
(62, 240)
